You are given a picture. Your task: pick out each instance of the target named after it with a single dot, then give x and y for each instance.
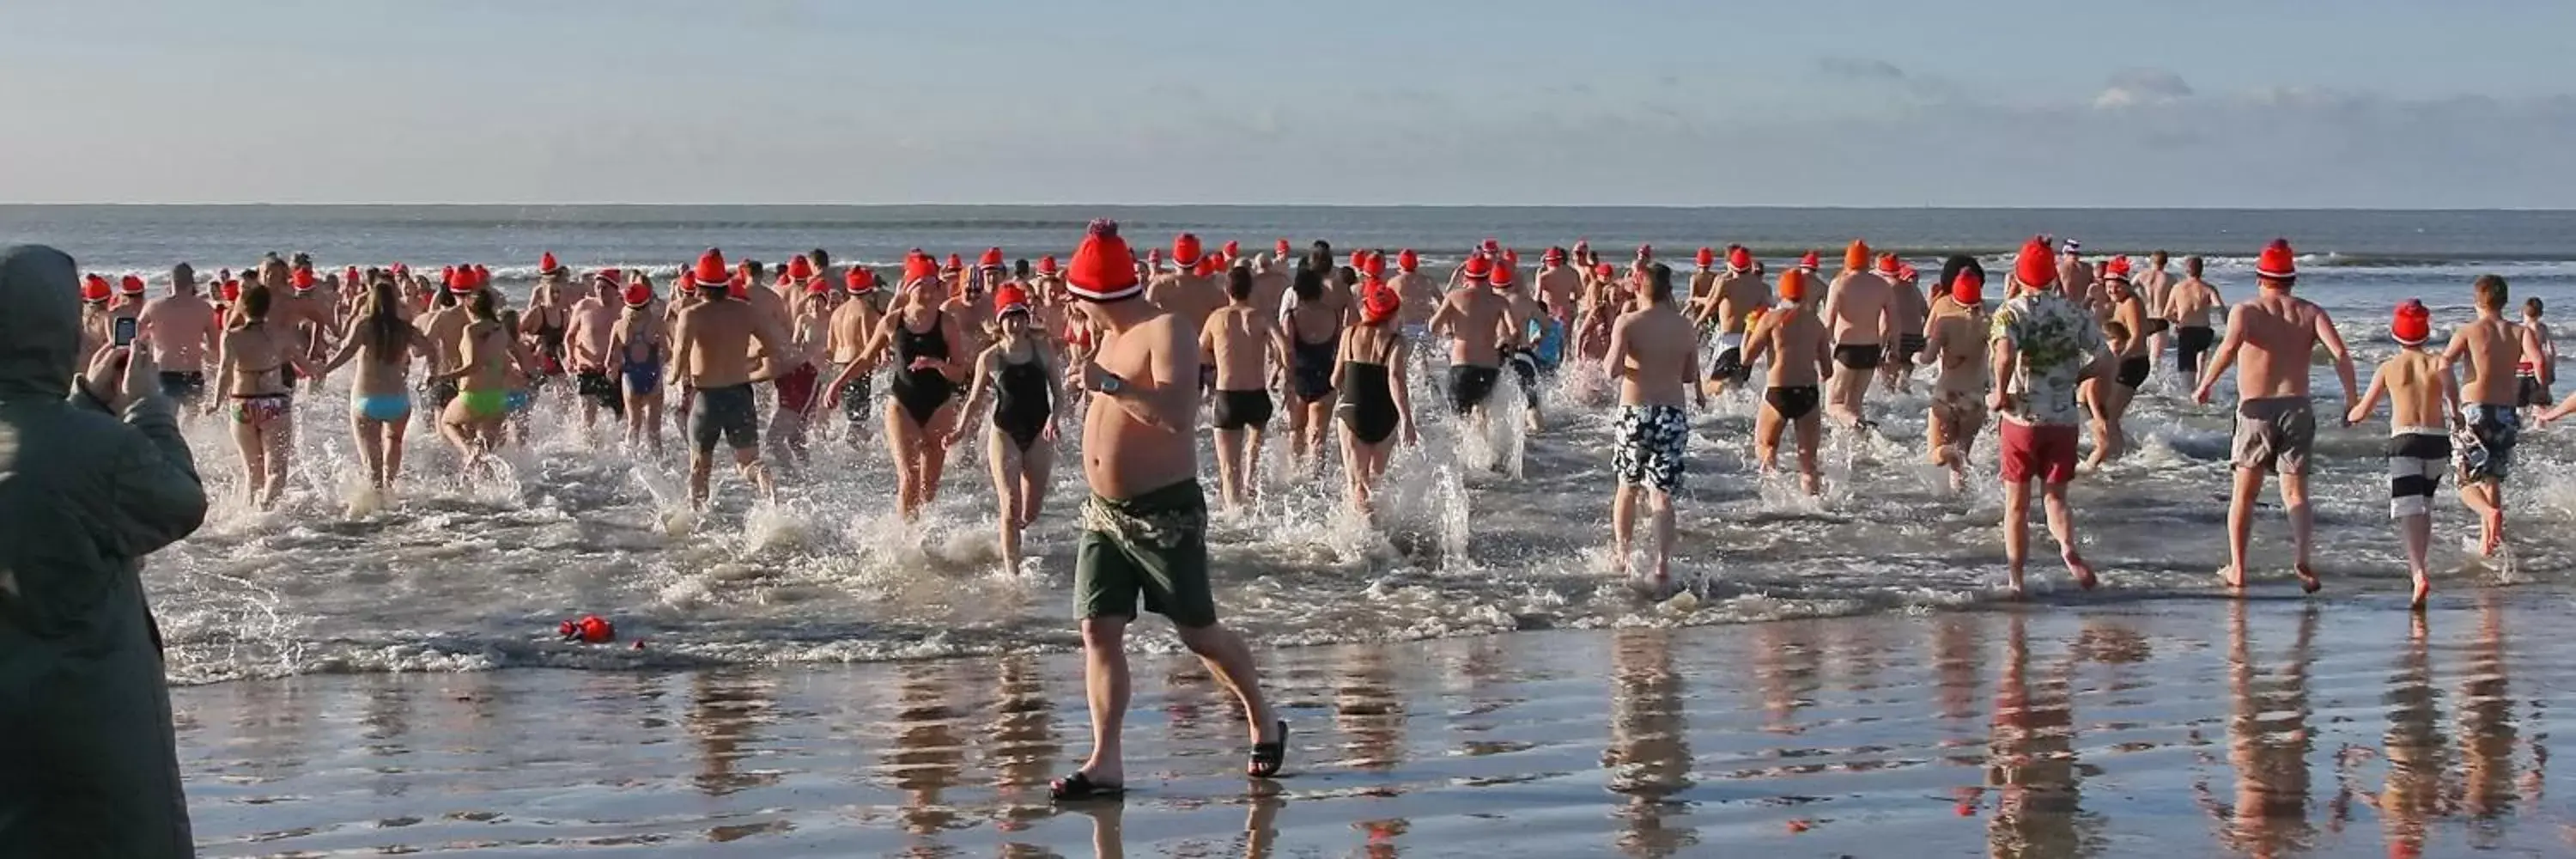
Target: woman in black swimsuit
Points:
(251, 360)
(919, 334)
(1370, 375)
(1022, 440)
(1314, 325)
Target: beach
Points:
(2089, 726)
(1467, 674)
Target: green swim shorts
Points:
(1154, 544)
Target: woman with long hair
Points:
(380, 398)
(923, 339)
(252, 359)
(1021, 444)
(473, 422)
(1314, 328)
(1369, 373)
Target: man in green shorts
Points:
(1144, 531)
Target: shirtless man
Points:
(2538, 370)
(1703, 282)
(1956, 343)
(180, 329)
(296, 308)
(1861, 309)
(1654, 353)
(2043, 347)
(2275, 425)
(1732, 300)
(1270, 279)
(1802, 358)
(1420, 297)
(2076, 275)
(799, 382)
(711, 359)
(851, 325)
(2187, 306)
(1472, 316)
(2422, 393)
(2155, 285)
(1558, 285)
(2130, 362)
(2492, 349)
(1184, 292)
(444, 327)
(1145, 528)
(593, 323)
(1248, 350)
(1910, 309)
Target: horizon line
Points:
(1667, 206)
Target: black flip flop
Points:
(1268, 757)
(1079, 787)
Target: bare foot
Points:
(2308, 580)
(2084, 577)
(2423, 591)
(2234, 578)
(2494, 534)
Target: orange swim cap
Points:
(1856, 257)
(1793, 284)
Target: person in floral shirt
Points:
(2043, 348)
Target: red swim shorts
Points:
(2043, 451)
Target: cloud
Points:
(2131, 87)
(1846, 68)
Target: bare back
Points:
(2490, 348)
(1473, 318)
(2415, 380)
(1654, 353)
(1859, 305)
(1242, 342)
(2279, 341)
(1797, 347)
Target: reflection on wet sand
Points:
(1649, 756)
(1785, 661)
(2031, 756)
(1021, 741)
(2414, 749)
(2487, 732)
(929, 753)
(2268, 743)
(1367, 711)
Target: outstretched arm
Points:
(2369, 399)
(2333, 339)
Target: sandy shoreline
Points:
(2127, 729)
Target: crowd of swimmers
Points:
(1313, 339)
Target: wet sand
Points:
(2163, 727)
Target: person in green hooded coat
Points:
(90, 483)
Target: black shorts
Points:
(597, 386)
(1908, 346)
(855, 398)
(2133, 372)
(729, 412)
(2190, 341)
(1469, 385)
(442, 393)
(1242, 409)
(183, 387)
(1730, 365)
(1794, 402)
(1860, 357)
(2531, 392)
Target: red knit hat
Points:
(1406, 260)
(1233, 250)
(1738, 259)
(1603, 271)
(1046, 264)
(460, 280)
(1378, 303)
(2036, 266)
(1968, 288)
(992, 258)
(301, 279)
(2277, 263)
(710, 270)
(1372, 263)
(232, 290)
(1706, 258)
(1103, 268)
(1502, 276)
(94, 288)
(1479, 267)
(1553, 256)
(482, 276)
(1282, 249)
(1887, 264)
(918, 268)
(2413, 324)
(860, 281)
(1905, 272)
(1010, 299)
(799, 268)
(2116, 268)
(131, 285)
(1492, 247)
(1809, 262)
(1185, 250)
(638, 294)
(546, 263)
(955, 264)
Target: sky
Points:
(2254, 103)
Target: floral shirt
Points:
(2054, 341)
